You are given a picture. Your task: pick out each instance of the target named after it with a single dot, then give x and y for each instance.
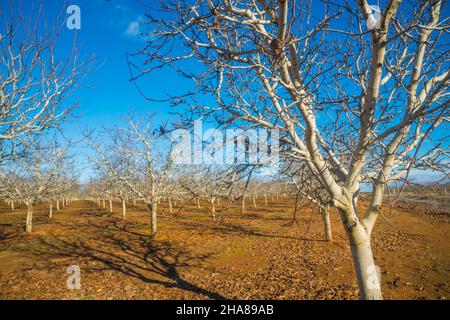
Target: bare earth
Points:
(260, 254)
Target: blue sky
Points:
(109, 30)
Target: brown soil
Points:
(260, 254)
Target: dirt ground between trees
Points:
(260, 254)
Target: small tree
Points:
(212, 183)
(36, 178)
(136, 159)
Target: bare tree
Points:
(212, 183)
(123, 192)
(355, 101)
(33, 82)
(38, 178)
(136, 158)
(308, 186)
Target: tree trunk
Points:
(50, 212)
(57, 205)
(243, 204)
(12, 205)
(154, 224)
(29, 223)
(265, 199)
(365, 269)
(134, 202)
(254, 202)
(213, 210)
(110, 206)
(170, 205)
(198, 203)
(327, 225)
(124, 209)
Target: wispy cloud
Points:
(133, 29)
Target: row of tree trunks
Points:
(12, 204)
(325, 213)
(29, 218)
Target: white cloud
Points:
(133, 29)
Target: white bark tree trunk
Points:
(243, 204)
(170, 205)
(213, 209)
(154, 223)
(265, 199)
(365, 269)
(124, 209)
(12, 205)
(110, 206)
(50, 212)
(327, 225)
(29, 222)
(57, 205)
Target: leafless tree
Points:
(355, 104)
(136, 158)
(212, 183)
(308, 187)
(33, 81)
(39, 177)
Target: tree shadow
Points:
(131, 253)
(241, 230)
(10, 233)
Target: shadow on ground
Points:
(111, 244)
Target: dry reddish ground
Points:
(260, 254)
